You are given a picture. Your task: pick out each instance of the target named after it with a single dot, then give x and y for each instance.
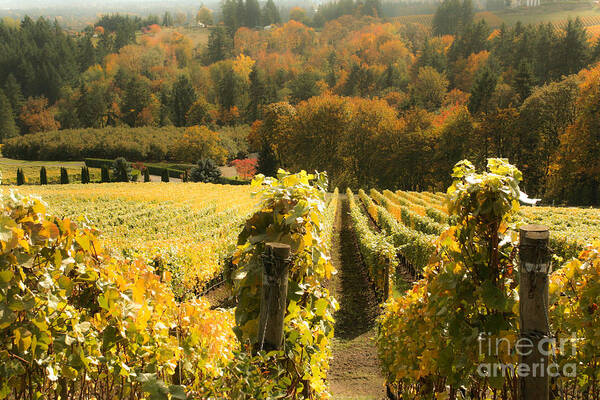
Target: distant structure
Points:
(525, 3)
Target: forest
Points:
(375, 101)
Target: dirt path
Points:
(354, 372)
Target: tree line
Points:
(423, 74)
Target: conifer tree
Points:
(105, 176)
(64, 176)
(183, 97)
(43, 176)
(8, 128)
(20, 177)
(85, 175)
(164, 177)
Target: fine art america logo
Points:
(546, 349)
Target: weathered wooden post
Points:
(533, 345)
(276, 262)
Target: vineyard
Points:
(187, 230)
(594, 31)
(139, 319)
(495, 20)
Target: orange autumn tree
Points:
(36, 116)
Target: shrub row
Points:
(136, 144)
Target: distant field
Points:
(554, 13)
(198, 36)
(558, 14)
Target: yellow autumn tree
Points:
(199, 142)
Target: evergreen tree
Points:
(257, 95)
(267, 161)
(8, 128)
(219, 47)
(240, 16)
(43, 176)
(136, 98)
(304, 86)
(167, 19)
(87, 54)
(393, 78)
(146, 175)
(229, 18)
(372, 8)
(105, 176)
(361, 81)
(226, 89)
(331, 77)
(164, 176)
(545, 54)
(482, 90)
(164, 116)
(574, 50)
(183, 97)
(270, 13)
(64, 176)
(524, 80)
(91, 107)
(472, 39)
(432, 57)
(13, 92)
(252, 13)
(452, 16)
(85, 175)
(20, 177)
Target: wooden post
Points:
(534, 382)
(276, 262)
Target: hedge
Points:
(157, 170)
(135, 144)
(102, 162)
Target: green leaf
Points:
(177, 392)
(320, 307)
(6, 276)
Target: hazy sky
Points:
(21, 4)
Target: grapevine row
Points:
(378, 253)
(414, 248)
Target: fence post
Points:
(276, 263)
(533, 346)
